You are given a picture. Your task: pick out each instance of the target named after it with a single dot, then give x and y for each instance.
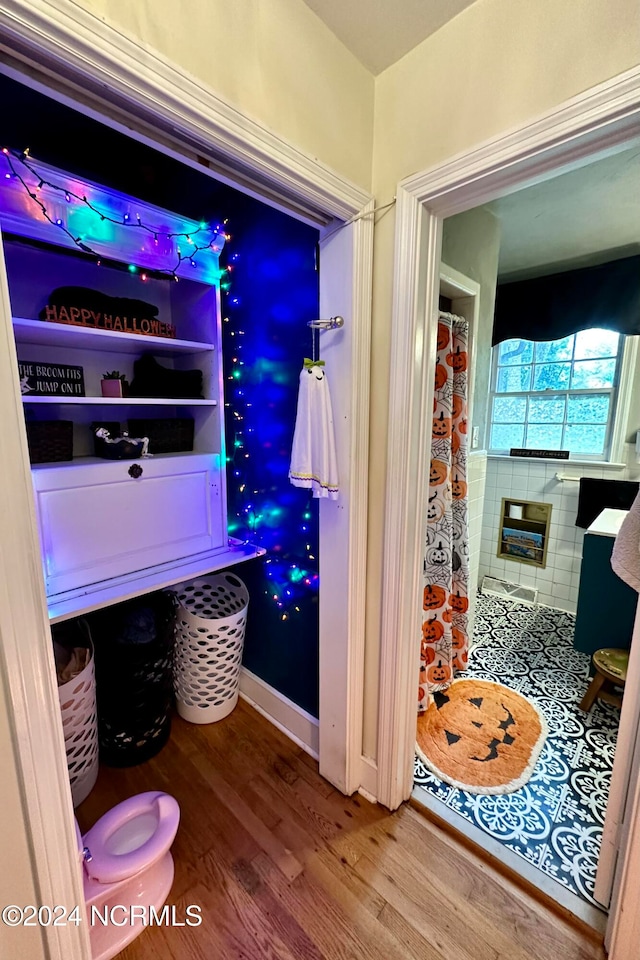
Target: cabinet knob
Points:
(135, 471)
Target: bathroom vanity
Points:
(606, 605)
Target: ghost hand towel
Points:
(313, 453)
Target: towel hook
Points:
(334, 323)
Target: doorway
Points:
(423, 201)
(300, 186)
(541, 390)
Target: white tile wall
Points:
(476, 478)
(558, 582)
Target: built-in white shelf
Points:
(180, 500)
(45, 333)
(83, 461)
(121, 401)
(107, 592)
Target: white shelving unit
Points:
(120, 401)
(110, 341)
(109, 532)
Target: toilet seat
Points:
(131, 836)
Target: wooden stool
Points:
(611, 670)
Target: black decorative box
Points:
(120, 448)
(112, 426)
(169, 435)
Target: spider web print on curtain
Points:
(445, 601)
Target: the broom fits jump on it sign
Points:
(50, 379)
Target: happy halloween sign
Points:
(85, 307)
(83, 317)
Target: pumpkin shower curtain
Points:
(445, 601)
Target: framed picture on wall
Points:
(523, 544)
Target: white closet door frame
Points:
(598, 122)
(94, 67)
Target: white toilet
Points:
(127, 861)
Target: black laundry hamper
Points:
(133, 656)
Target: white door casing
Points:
(619, 806)
(597, 122)
(73, 45)
(26, 661)
(342, 521)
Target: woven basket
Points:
(49, 440)
(134, 650)
(170, 435)
(78, 709)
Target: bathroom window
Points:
(556, 395)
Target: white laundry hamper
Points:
(209, 637)
(80, 728)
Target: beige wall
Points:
(497, 65)
(272, 59)
(471, 244)
(16, 882)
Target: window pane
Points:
(513, 379)
(585, 438)
(591, 374)
(545, 435)
(506, 435)
(509, 410)
(591, 408)
(546, 410)
(553, 350)
(551, 376)
(515, 351)
(558, 394)
(596, 343)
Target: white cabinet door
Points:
(97, 521)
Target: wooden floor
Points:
(283, 866)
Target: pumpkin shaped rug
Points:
(481, 737)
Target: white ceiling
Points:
(573, 219)
(379, 32)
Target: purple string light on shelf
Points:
(13, 157)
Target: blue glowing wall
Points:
(273, 292)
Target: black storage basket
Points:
(49, 440)
(134, 650)
(168, 435)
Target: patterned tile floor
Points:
(555, 821)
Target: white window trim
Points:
(623, 401)
(621, 392)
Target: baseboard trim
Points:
(283, 713)
(368, 779)
(298, 725)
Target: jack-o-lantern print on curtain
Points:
(445, 600)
